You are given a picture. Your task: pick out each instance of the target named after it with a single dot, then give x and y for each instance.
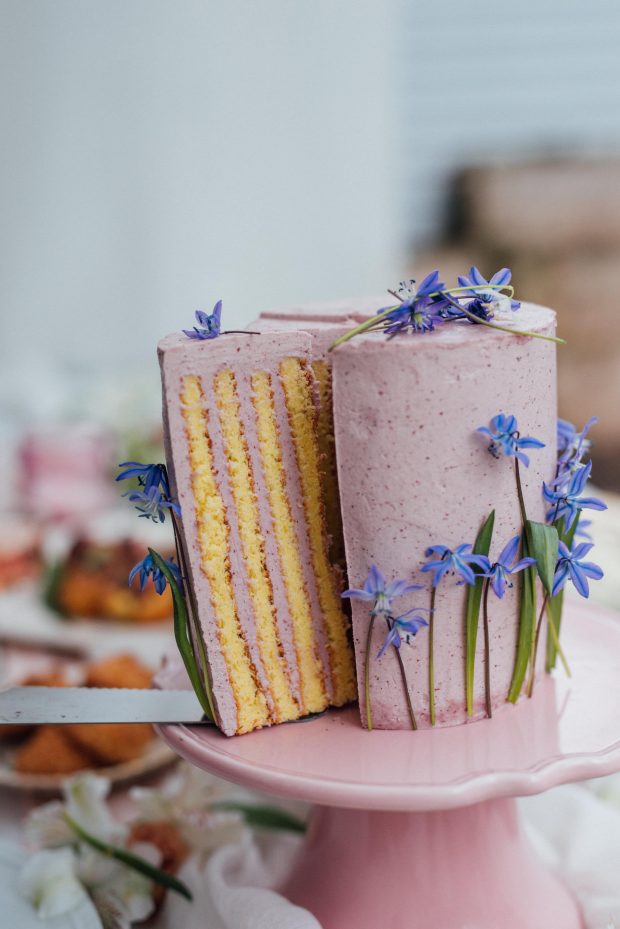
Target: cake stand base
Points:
(468, 868)
(419, 830)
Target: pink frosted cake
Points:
(424, 437)
(414, 473)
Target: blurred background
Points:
(159, 156)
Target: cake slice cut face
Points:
(243, 455)
(324, 322)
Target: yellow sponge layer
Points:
(298, 389)
(213, 536)
(310, 673)
(253, 544)
(327, 450)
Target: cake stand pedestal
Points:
(420, 830)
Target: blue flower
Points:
(147, 568)
(149, 475)
(152, 504)
(421, 307)
(210, 324)
(490, 301)
(461, 560)
(375, 589)
(505, 438)
(572, 446)
(582, 529)
(405, 625)
(408, 291)
(571, 567)
(566, 500)
(504, 566)
(571, 442)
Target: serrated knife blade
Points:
(40, 705)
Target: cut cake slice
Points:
(240, 416)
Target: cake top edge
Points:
(530, 317)
(230, 348)
(356, 309)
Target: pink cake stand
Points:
(420, 830)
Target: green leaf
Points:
(181, 635)
(263, 817)
(555, 605)
(527, 625)
(482, 546)
(542, 543)
(130, 860)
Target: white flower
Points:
(189, 789)
(121, 891)
(49, 881)
(47, 827)
(204, 831)
(135, 890)
(112, 912)
(500, 304)
(186, 801)
(85, 796)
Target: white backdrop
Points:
(159, 155)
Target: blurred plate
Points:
(155, 758)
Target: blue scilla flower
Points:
(209, 324)
(407, 625)
(421, 307)
(506, 440)
(572, 446)
(147, 568)
(408, 291)
(572, 443)
(582, 529)
(571, 566)
(490, 300)
(506, 565)
(152, 504)
(460, 560)
(148, 475)
(377, 591)
(567, 502)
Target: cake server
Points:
(37, 705)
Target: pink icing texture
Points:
(413, 472)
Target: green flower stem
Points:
(182, 638)
(524, 332)
(367, 671)
(403, 675)
(363, 327)
(556, 642)
(193, 615)
(431, 657)
(520, 492)
(487, 649)
(555, 605)
(530, 683)
(130, 860)
(263, 817)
